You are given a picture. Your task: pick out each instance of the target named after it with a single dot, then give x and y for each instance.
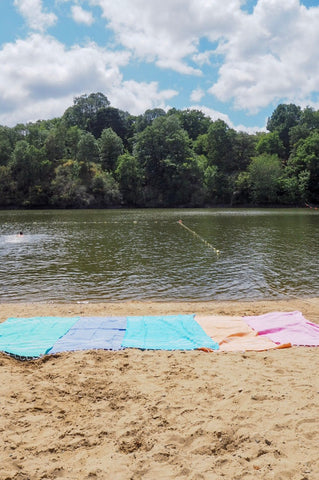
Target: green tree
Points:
(54, 143)
(8, 187)
(37, 133)
(282, 120)
(219, 187)
(310, 119)
(87, 149)
(184, 182)
(264, 176)
(271, 144)
(212, 184)
(242, 188)
(130, 176)
(223, 153)
(72, 136)
(292, 189)
(85, 109)
(220, 143)
(31, 171)
(194, 122)
(109, 117)
(23, 166)
(304, 165)
(309, 122)
(104, 188)
(162, 148)
(296, 133)
(7, 143)
(110, 148)
(200, 145)
(244, 149)
(145, 120)
(68, 190)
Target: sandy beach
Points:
(161, 415)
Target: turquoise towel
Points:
(32, 337)
(169, 332)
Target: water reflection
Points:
(100, 255)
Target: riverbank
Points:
(308, 306)
(173, 415)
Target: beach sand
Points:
(161, 415)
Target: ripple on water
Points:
(144, 254)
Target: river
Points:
(146, 254)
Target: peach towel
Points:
(234, 335)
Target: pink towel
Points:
(286, 327)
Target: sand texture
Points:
(161, 415)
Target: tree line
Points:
(98, 156)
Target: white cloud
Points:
(272, 57)
(80, 15)
(197, 95)
(215, 115)
(257, 59)
(36, 18)
(136, 97)
(268, 55)
(40, 77)
(168, 32)
(203, 58)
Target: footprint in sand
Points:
(308, 428)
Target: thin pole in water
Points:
(198, 236)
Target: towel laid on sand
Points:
(92, 333)
(284, 327)
(234, 335)
(32, 337)
(168, 332)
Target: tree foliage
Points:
(282, 120)
(129, 175)
(264, 174)
(110, 148)
(96, 155)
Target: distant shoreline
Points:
(178, 207)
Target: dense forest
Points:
(96, 155)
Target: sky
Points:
(236, 60)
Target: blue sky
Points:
(235, 59)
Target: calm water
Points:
(110, 255)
